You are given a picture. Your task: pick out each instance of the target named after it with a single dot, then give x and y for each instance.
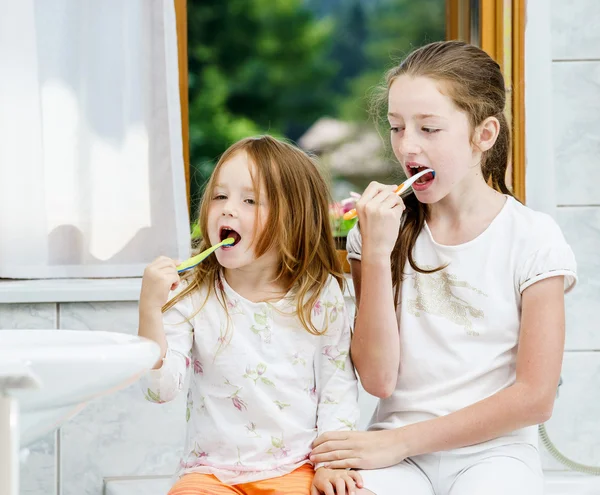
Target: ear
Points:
(486, 134)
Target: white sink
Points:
(72, 367)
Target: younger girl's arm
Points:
(172, 330)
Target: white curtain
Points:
(91, 163)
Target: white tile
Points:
(581, 227)
(575, 29)
(576, 120)
(571, 483)
(106, 316)
(27, 316)
(151, 486)
(121, 435)
(574, 426)
(38, 471)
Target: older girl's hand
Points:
(359, 449)
(379, 212)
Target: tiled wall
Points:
(121, 435)
(575, 31)
(125, 436)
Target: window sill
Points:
(69, 290)
(83, 290)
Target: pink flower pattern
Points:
(252, 353)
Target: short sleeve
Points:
(550, 257)
(354, 244)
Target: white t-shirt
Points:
(262, 387)
(459, 327)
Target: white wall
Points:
(562, 100)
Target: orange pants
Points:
(297, 482)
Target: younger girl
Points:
(461, 334)
(262, 326)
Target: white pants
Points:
(513, 469)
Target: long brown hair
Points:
(297, 226)
(474, 82)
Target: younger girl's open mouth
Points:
(226, 232)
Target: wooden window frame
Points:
(498, 27)
(182, 58)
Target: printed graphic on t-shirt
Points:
(435, 296)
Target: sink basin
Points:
(71, 368)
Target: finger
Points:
(392, 201)
(163, 261)
(334, 455)
(381, 196)
(314, 491)
(331, 446)
(350, 484)
(330, 435)
(371, 191)
(340, 487)
(355, 475)
(352, 462)
(170, 264)
(329, 489)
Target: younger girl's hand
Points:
(160, 277)
(335, 481)
(379, 212)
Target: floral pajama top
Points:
(262, 388)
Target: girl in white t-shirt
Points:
(460, 295)
(261, 327)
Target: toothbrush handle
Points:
(350, 214)
(199, 258)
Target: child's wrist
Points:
(148, 307)
(375, 255)
(406, 441)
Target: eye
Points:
(396, 129)
(250, 201)
(219, 196)
(430, 130)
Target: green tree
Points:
(349, 42)
(395, 28)
(254, 66)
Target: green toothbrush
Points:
(192, 262)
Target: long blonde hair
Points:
(474, 82)
(297, 226)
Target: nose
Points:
(407, 144)
(229, 209)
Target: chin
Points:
(430, 197)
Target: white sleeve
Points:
(549, 255)
(163, 384)
(354, 244)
